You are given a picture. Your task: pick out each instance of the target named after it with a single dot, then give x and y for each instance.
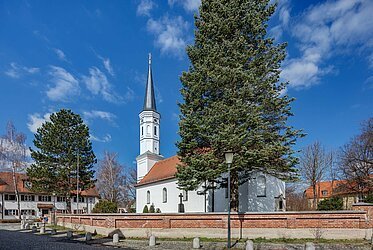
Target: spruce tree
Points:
(62, 147)
(232, 99)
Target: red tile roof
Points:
(338, 188)
(162, 170)
(7, 184)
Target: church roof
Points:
(162, 170)
(149, 101)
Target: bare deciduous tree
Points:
(113, 183)
(313, 166)
(295, 200)
(13, 153)
(356, 160)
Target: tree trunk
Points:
(234, 191)
(16, 191)
(314, 195)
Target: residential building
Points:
(157, 185)
(37, 204)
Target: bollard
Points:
(196, 243)
(42, 230)
(310, 246)
(69, 234)
(88, 236)
(152, 241)
(249, 245)
(33, 229)
(115, 238)
(53, 231)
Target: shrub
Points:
(152, 209)
(105, 206)
(158, 210)
(145, 210)
(369, 198)
(334, 203)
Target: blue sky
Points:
(91, 57)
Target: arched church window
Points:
(142, 130)
(148, 129)
(164, 195)
(155, 130)
(148, 197)
(185, 195)
(261, 188)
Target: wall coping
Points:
(210, 214)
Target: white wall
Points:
(195, 203)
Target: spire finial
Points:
(150, 58)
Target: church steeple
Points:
(149, 101)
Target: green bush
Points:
(105, 206)
(369, 198)
(145, 210)
(334, 203)
(152, 209)
(158, 210)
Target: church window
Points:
(148, 130)
(155, 130)
(142, 130)
(185, 195)
(148, 197)
(261, 188)
(164, 195)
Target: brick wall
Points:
(288, 220)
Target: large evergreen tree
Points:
(63, 148)
(232, 98)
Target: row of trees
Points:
(353, 162)
(63, 161)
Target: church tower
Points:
(149, 129)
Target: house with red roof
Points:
(157, 185)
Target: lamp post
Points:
(228, 159)
(54, 208)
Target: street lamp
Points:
(228, 159)
(54, 208)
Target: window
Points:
(81, 199)
(27, 184)
(9, 197)
(324, 192)
(155, 120)
(91, 200)
(45, 198)
(261, 188)
(61, 199)
(148, 130)
(185, 195)
(11, 212)
(155, 130)
(142, 130)
(25, 197)
(28, 211)
(148, 197)
(164, 195)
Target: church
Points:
(157, 185)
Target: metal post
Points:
(77, 185)
(54, 209)
(229, 206)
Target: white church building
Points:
(157, 184)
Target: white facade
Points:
(149, 132)
(35, 205)
(253, 196)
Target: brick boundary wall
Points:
(288, 220)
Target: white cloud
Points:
(325, 30)
(144, 7)
(98, 84)
(60, 54)
(107, 65)
(16, 71)
(188, 5)
(93, 114)
(105, 138)
(129, 95)
(169, 34)
(36, 120)
(65, 86)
